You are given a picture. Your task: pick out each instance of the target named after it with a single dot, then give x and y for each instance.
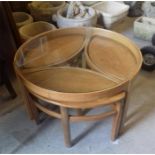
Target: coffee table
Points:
(77, 68)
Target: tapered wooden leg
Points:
(66, 126)
(33, 108)
(28, 104)
(35, 112)
(117, 120)
(124, 113)
(26, 100)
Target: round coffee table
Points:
(50, 68)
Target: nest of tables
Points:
(77, 68)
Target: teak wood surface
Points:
(44, 66)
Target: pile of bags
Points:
(76, 10)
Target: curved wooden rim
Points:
(72, 97)
(87, 70)
(109, 34)
(89, 104)
(44, 35)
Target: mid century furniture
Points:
(47, 69)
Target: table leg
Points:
(26, 99)
(34, 109)
(124, 115)
(66, 126)
(117, 120)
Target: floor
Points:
(20, 135)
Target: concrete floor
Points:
(20, 135)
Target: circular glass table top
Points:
(48, 64)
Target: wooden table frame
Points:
(118, 103)
(116, 96)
